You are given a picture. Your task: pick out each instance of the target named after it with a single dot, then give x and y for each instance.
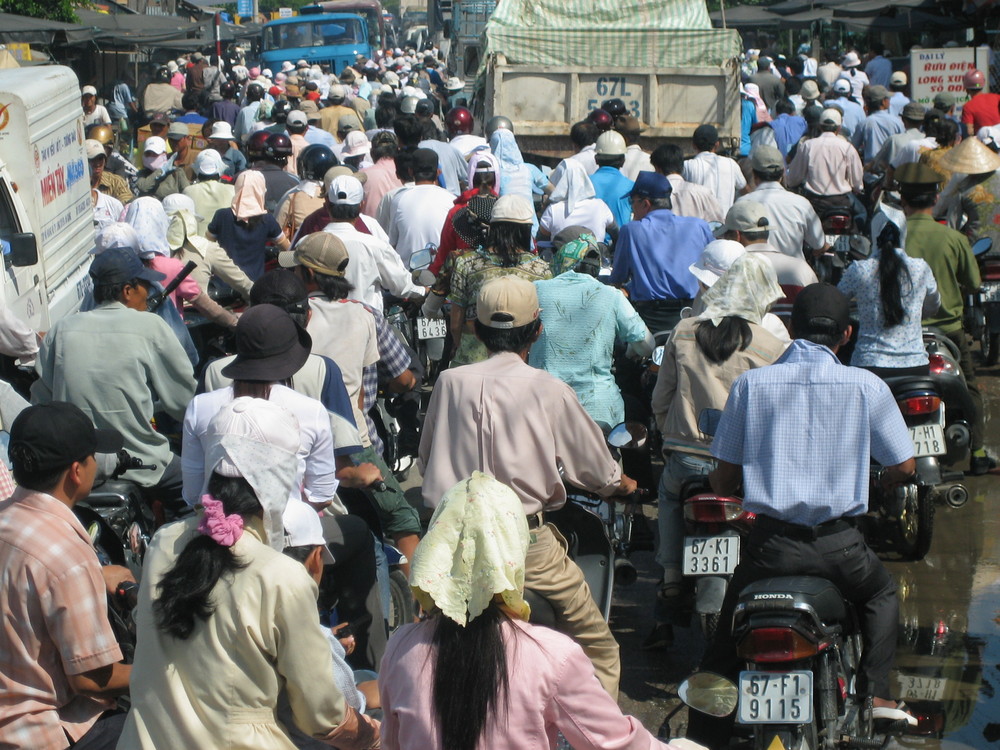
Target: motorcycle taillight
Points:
(710, 508)
(940, 365)
(837, 223)
(915, 406)
(772, 645)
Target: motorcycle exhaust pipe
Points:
(625, 572)
(957, 495)
(958, 435)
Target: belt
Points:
(806, 533)
(536, 520)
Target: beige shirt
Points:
(688, 382)
(691, 199)
(517, 424)
(209, 196)
(219, 688)
(826, 165)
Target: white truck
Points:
(46, 210)
(547, 63)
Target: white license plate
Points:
(990, 293)
(928, 440)
(919, 687)
(711, 555)
(431, 328)
(776, 697)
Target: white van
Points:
(46, 210)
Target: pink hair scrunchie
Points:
(223, 529)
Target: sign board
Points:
(933, 71)
(20, 50)
(245, 8)
(284, 13)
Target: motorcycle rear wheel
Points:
(915, 526)
(402, 608)
(990, 344)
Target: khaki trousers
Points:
(551, 574)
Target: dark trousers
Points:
(978, 425)
(104, 734)
(842, 558)
(168, 491)
(660, 315)
(352, 583)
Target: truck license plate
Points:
(711, 555)
(920, 687)
(928, 440)
(776, 697)
(990, 293)
(431, 328)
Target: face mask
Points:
(154, 162)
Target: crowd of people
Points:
(298, 197)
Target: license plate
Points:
(928, 440)
(919, 687)
(431, 328)
(711, 555)
(990, 293)
(776, 697)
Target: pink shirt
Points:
(381, 179)
(187, 290)
(552, 689)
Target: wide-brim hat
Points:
(971, 156)
(471, 222)
(270, 346)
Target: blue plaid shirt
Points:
(803, 430)
(393, 358)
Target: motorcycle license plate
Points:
(920, 687)
(431, 328)
(928, 440)
(711, 555)
(990, 293)
(776, 697)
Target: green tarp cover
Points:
(609, 33)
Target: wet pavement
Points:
(948, 653)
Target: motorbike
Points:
(846, 245)
(982, 307)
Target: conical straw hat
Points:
(970, 157)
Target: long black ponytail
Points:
(891, 269)
(186, 589)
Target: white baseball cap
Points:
(355, 144)
(296, 117)
(831, 116)
(208, 162)
(304, 529)
(88, 90)
(715, 260)
(346, 190)
(842, 86)
(154, 144)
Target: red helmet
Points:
(601, 119)
(458, 121)
(974, 79)
(255, 144)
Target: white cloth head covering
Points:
(259, 441)
(746, 291)
(149, 220)
(478, 158)
(183, 225)
(118, 234)
(574, 185)
(248, 201)
(475, 548)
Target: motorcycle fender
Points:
(709, 593)
(929, 470)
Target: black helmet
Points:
(614, 107)
(255, 144)
(498, 123)
(162, 75)
(278, 148)
(314, 161)
(280, 110)
(255, 92)
(228, 90)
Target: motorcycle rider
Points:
(528, 430)
(806, 512)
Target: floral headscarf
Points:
(150, 222)
(747, 290)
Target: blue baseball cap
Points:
(650, 185)
(117, 265)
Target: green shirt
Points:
(948, 254)
(119, 366)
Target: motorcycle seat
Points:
(904, 383)
(798, 592)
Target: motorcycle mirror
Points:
(982, 246)
(709, 693)
(658, 356)
(4, 446)
(421, 259)
(708, 421)
(628, 435)
(861, 247)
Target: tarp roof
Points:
(863, 15)
(129, 30)
(749, 16)
(14, 28)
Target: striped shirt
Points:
(803, 430)
(54, 623)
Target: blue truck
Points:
(332, 39)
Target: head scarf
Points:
(505, 149)
(475, 548)
(574, 185)
(753, 91)
(183, 219)
(746, 291)
(259, 441)
(478, 158)
(569, 255)
(118, 234)
(149, 220)
(249, 198)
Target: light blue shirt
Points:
(613, 188)
(654, 255)
(854, 118)
(877, 129)
(581, 320)
(803, 430)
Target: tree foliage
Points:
(52, 10)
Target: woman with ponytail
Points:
(226, 622)
(476, 674)
(894, 292)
